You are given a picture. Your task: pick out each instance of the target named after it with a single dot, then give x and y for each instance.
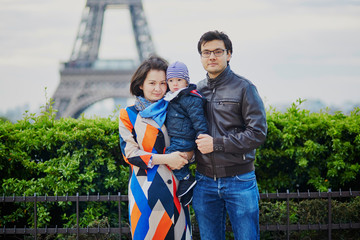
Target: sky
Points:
(289, 49)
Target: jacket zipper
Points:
(228, 102)
(213, 132)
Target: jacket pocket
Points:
(229, 110)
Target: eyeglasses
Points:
(217, 53)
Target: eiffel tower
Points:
(85, 79)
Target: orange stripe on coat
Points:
(146, 158)
(124, 118)
(149, 138)
(135, 216)
(163, 227)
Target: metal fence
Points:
(306, 227)
(126, 230)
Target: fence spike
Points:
(277, 192)
(308, 193)
(340, 192)
(98, 196)
(350, 191)
(329, 193)
(67, 195)
(108, 196)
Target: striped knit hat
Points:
(177, 70)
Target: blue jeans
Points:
(237, 195)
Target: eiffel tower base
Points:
(80, 88)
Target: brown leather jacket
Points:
(237, 122)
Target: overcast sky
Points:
(289, 49)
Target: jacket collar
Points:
(170, 96)
(214, 82)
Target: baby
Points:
(185, 120)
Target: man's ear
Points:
(229, 55)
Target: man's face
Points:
(214, 65)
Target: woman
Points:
(155, 211)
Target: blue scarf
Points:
(155, 111)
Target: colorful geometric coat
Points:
(154, 209)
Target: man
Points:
(226, 181)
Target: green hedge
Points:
(314, 151)
(57, 157)
(42, 155)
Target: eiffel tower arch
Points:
(85, 79)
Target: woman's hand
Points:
(177, 160)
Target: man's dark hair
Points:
(215, 35)
(137, 80)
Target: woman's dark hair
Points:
(215, 35)
(138, 78)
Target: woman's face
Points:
(154, 86)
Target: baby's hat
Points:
(177, 70)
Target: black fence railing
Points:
(288, 227)
(329, 226)
(77, 230)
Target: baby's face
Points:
(176, 84)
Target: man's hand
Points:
(205, 143)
